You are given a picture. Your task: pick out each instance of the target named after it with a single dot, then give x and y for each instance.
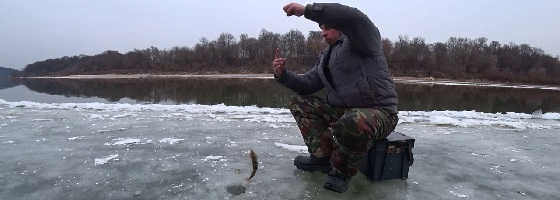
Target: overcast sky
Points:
(34, 30)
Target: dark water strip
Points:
(268, 93)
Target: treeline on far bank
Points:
(457, 58)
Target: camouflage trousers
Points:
(343, 134)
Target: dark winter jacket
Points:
(359, 76)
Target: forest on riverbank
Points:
(457, 58)
(7, 76)
(8, 73)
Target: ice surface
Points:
(105, 151)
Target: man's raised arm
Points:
(364, 36)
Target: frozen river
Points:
(92, 149)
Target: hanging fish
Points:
(255, 163)
(239, 188)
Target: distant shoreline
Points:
(397, 79)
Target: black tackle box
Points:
(389, 158)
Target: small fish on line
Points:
(254, 162)
(239, 188)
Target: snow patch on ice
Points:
(123, 116)
(96, 116)
(183, 108)
(479, 154)
(171, 140)
(289, 147)
(551, 116)
(458, 194)
(279, 116)
(105, 160)
(125, 141)
(473, 118)
(271, 118)
(279, 125)
(214, 158)
(497, 169)
(8, 142)
(77, 138)
(219, 112)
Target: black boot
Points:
(312, 163)
(337, 182)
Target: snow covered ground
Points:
(152, 151)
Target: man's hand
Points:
(278, 64)
(294, 9)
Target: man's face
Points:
(331, 35)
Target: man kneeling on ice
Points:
(361, 101)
